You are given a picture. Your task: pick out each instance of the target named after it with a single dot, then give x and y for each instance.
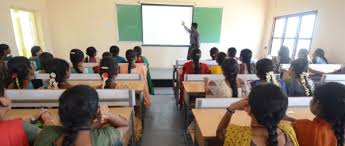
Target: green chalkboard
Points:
(210, 23)
(129, 22)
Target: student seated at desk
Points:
(193, 67)
(7, 51)
(299, 83)
(219, 59)
(224, 88)
(82, 118)
(45, 58)
(3, 64)
(264, 68)
(247, 66)
(266, 105)
(108, 73)
(59, 71)
(77, 57)
(327, 129)
(91, 52)
(20, 73)
(143, 59)
(232, 53)
(133, 68)
(97, 68)
(319, 57)
(19, 131)
(115, 51)
(36, 51)
(213, 53)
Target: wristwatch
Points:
(230, 111)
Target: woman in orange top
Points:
(327, 129)
(193, 67)
(133, 68)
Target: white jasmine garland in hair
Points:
(52, 81)
(303, 78)
(271, 78)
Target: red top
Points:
(188, 68)
(314, 133)
(12, 133)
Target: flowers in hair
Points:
(52, 82)
(271, 78)
(303, 78)
(105, 77)
(15, 76)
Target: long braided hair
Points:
(18, 71)
(76, 57)
(264, 70)
(268, 103)
(131, 57)
(77, 108)
(246, 58)
(230, 70)
(109, 69)
(196, 55)
(300, 67)
(60, 68)
(331, 98)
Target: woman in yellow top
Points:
(266, 105)
(220, 59)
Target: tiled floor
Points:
(163, 125)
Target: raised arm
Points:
(186, 28)
(240, 105)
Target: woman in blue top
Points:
(20, 73)
(265, 72)
(319, 57)
(77, 58)
(299, 83)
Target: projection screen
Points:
(162, 24)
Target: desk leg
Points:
(186, 109)
(132, 126)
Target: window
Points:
(293, 31)
(24, 30)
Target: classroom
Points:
(172, 72)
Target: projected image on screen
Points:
(162, 24)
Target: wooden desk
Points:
(126, 112)
(194, 87)
(130, 84)
(207, 121)
(189, 89)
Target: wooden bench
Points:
(125, 112)
(92, 77)
(323, 68)
(339, 78)
(204, 103)
(50, 98)
(209, 115)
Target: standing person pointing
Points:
(194, 38)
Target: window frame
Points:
(36, 27)
(297, 37)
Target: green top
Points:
(148, 76)
(86, 71)
(108, 136)
(31, 131)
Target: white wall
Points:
(6, 27)
(82, 23)
(330, 25)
